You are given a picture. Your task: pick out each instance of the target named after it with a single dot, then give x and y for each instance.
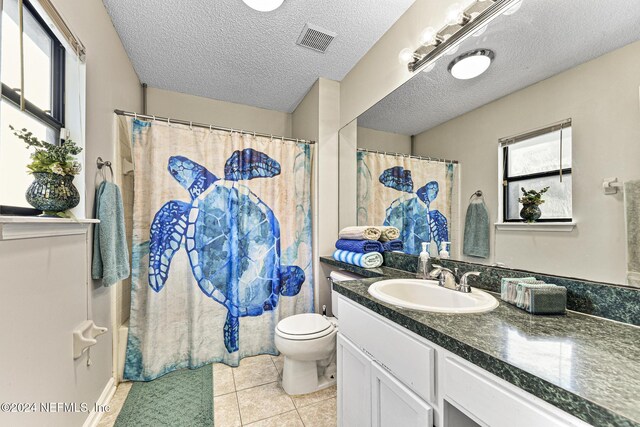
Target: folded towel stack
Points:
(367, 260)
(534, 296)
(360, 246)
(363, 246)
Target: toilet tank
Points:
(339, 276)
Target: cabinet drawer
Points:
(495, 404)
(408, 359)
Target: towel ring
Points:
(101, 164)
(478, 194)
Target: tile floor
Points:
(250, 395)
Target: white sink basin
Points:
(426, 295)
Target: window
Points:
(538, 159)
(44, 76)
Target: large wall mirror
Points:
(558, 108)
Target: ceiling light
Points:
(263, 5)
(471, 64)
(455, 15)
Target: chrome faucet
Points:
(448, 279)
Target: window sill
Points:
(30, 227)
(536, 226)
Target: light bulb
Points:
(263, 5)
(405, 56)
(513, 9)
(428, 36)
(455, 14)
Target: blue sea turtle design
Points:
(411, 214)
(232, 239)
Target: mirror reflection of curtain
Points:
(418, 196)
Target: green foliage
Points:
(532, 197)
(48, 157)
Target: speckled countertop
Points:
(584, 365)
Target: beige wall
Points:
(372, 139)
(226, 114)
(379, 72)
(317, 118)
(111, 83)
(601, 96)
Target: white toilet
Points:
(308, 343)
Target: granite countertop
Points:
(586, 366)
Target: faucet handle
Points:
(464, 279)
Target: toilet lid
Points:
(305, 324)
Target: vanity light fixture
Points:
(471, 64)
(460, 22)
(264, 5)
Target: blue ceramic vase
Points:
(52, 193)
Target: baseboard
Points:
(94, 417)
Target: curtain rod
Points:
(207, 126)
(431, 159)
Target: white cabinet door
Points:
(354, 385)
(393, 404)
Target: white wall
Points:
(111, 83)
(317, 118)
(226, 114)
(601, 96)
(377, 140)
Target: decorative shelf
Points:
(536, 226)
(33, 227)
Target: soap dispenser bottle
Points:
(444, 252)
(423, 263)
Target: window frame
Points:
(54, 118)
(506, 179)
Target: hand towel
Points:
(368, 260)
(360, 246)
(393, 245)
(509, 287)
(360, 233)
(110, 250)
(632, 218)
(388, 233)
(476, 230)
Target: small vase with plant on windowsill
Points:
(53, 168)
(531, 201)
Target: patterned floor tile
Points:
(254, 371)
(311, 398)
(222, 380)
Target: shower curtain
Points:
(221, 245)
(418, 196)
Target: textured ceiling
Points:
(544, 38)
(225, 50)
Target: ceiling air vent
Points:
(316, 38)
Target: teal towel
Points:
(110, 251)
(632, 216)
(476, 230)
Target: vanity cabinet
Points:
(369, 395)
(387, 377)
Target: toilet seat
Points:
(307, 326)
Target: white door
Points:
(354, 385)
(393, 404)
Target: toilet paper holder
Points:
(84, 336)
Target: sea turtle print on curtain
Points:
(231, 236)
(425, 215)
(221, 245)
